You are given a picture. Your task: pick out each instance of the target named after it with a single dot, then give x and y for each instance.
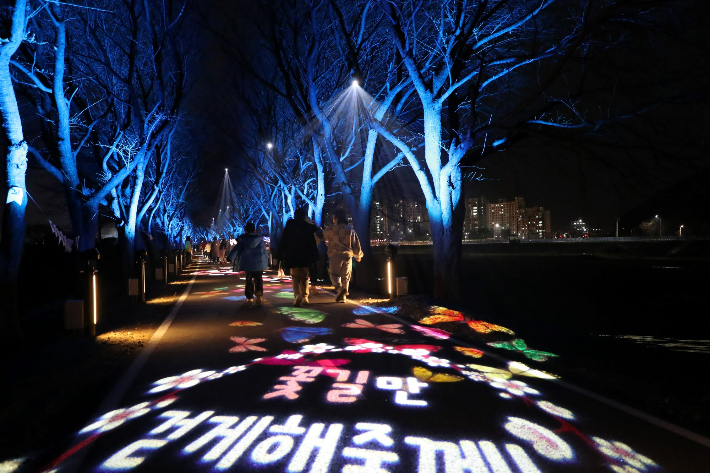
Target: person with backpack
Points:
(343, 246)
(298, 252)
(251, 257)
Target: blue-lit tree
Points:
(13, 220)
(322, 53)
(488, 75)
(136, 55)
(68, 112)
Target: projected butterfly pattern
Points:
(440, 315)
(431, 371)
(430, 368)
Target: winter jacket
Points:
(342, 240)
(298, 245)
(251, 253)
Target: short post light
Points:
(680, 231)
(165, 267)
(660, 226)
(391, 251)
(91, 258)
(141, 257)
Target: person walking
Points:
(188, 248)
(214, 250)
(251, 258)
(314, 265)
(343, 245)
(222, 250)
(298, 251)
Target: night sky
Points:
(609, 175)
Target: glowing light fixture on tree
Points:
(269, 145)
(355, 83)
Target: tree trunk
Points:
(132, 224)
(87, 237)
(361, 223)
(13, 220)
(447, 246)
(320, 185)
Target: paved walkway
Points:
(225, 385)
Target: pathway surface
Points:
(341, 387)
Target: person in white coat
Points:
(343, 246)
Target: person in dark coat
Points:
(251, 258)
(298, 252)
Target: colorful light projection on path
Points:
(472, 352)
(423, 374)
(300, 314)
(295, 445)
(621, 452)
(441, 315)
(213, 272)
(369, 310)
(229, 441)
(210, 293)
(486, 327)
(246, 344)
(431, 332)
(303, 334)
(520, 345)
(341, 391)
(360, 323)
(245, 323)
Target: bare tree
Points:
(487, 75)
(13, 220)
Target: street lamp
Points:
(660, 226)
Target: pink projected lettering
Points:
(345, 393)
(301, 374)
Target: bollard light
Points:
(90, 295)
(94, 285)
(389, 278)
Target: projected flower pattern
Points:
(548, 444)
(113, 419)
(183, 381)
(621, 452)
